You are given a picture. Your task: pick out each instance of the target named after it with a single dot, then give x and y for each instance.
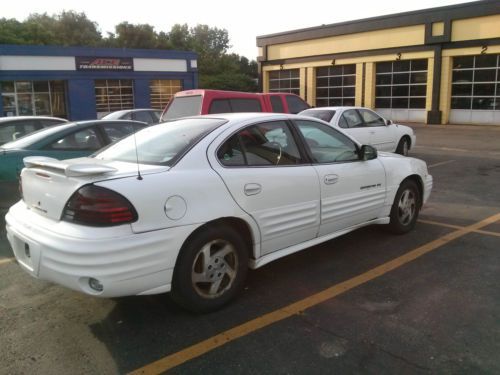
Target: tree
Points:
(11, 31)
(135, 36)
(75, 29)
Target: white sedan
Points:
(367, 127)
(187, 206)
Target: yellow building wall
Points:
(445, 97)
(476, 28)
(359, 85)
(430, 75)
(311, 86)
(396, 37)
(370, 85)
(303, 79)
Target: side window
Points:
(84, 140)
(245, 105)
(265, 144)
(47, 123)
(126, 116)
(117, 131)
(296, 104)
(220, 106)
(371, 118)
(352, 119)
(343, 122)
(142, 116)
(326, 144)
(277, 104)
(7, 133)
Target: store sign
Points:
(118, 64)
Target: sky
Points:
(243, 20)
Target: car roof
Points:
(334, 108)
(21, 118)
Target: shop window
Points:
(39, 98)
(114, 95)
(476, 82)
(335, 85)
(401, 84)
(161, 91)
(287, 80)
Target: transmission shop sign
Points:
(118, 64)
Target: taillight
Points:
(98, 207)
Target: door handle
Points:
(252, 189)
(330, 179)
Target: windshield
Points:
(161, 144)
(32, 138)
(323, 114)
(183, 106)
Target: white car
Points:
(367, 127)
(187, 206)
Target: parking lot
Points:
(368, 302)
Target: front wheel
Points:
(210, 269)
(403, 146)
(405, 209)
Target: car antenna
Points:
(139, 177)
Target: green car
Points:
(71, 140)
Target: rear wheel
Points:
(405, 209)
(210, 269)
(403, 146)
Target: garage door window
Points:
(162, 90)
(114, 95)
(401, 84)
(287, 80)
(335, 85)
(476, 82)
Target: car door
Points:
(353, 124)
(382, 136)
(352, 190)
(268, 177)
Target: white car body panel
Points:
(294, 209)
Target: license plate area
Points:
(27, 253)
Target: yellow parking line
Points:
(487, 232)
(441, 163)
(6, 260)
(251, 326)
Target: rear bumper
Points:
(124, 264)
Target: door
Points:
(382, 136)
(352, 191)
(268, 178)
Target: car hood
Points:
(48, 183)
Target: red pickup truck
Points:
(202, 102)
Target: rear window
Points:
(235, 105)
(183, 106)
(325, 115)
(162, 144)
(39, 135)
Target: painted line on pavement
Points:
(6, 261)
(441, 163)
(196, 350)
(487, 232)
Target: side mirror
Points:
(388, 122)
(367, 152)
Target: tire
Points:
(406, 207)
(210, 269)
(403, 146)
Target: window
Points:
(183, 106)
(114, 94)
(38, 98)
(235, 105)
(277, 104)
(84, 140)
(161, 91)
(16, 130)
(336, 85)
(295, 104)
(322, 114)
(326, 144)
(476, 82)
(118, 131)
(263, 144)
(401, 84)
(286, 80)
(143, 116)
(351, 119)
(371, 118)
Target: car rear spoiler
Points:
(69, 169)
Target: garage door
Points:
(475, 92)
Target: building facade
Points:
(439, 65)
(86, 83)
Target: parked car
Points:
(187, 206)
(147, 115)
(61, 141)
(203, 102)
(12, 128)
(368, 127)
